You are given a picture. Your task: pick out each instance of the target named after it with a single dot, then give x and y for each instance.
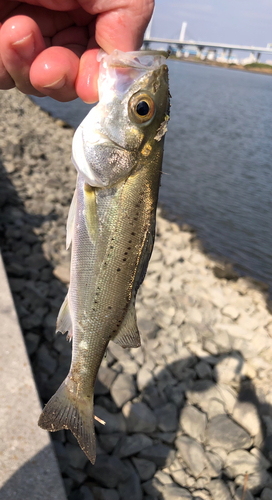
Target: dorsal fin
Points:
(128, 333)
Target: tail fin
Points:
(66, 411)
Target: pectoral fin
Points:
(64, 321)
(128, 333)
(91, 217)
(71, 220)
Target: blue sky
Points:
(245, 22)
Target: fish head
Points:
(129, 120)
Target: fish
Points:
(117, 151)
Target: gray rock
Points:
(246, 414)
(241, 462)
(130, 445)
(201, 495)
(115, 422)
(180, 476)
(214, 464)
(105, 493)
(228, 368)
(45, 361)
(240, 494)
(78, 475)
(153, 487)
(176, 394)
(105, 378)
(32, 340)
(192, 454)
(193, 422)
(161, 454)
(139, 418)
(123, 389)
(108, 471)
(170, 492)
(218, 490)
(86, 493)
(68, 484)
(203, 370)
(147, 327)
(144, 378)
(266, 494)
(154, 397)
(109, 441)
(255, 482)
(167, 419)
(222, 431)
(145, 468)
(130, 489)
(76, 456)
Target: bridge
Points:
(211, 46)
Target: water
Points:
(218, 157)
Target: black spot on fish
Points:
(118, 269)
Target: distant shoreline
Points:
(252, 68)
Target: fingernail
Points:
(58, 84)
(25, 47)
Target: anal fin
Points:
(64, 321)
(128, 333)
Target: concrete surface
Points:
(28, 467)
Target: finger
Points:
(6, 81)
(20, 43)
(54, 72)
(74, 38)
(86, 82)
(122, 26)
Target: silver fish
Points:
(117, 151)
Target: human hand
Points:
(49, 47)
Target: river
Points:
(218, 160)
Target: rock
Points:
(108, 471)
(110, 441)
(115, 422)
(240, 494)
(241, 462)
(145, 468)
(130, 445)
(192, 454)
(45, 361)
(147, 327)
(130, 489)
(225, 271)
(201, 495)
(222, 431)
(246, 414)
(105, 493)
(167, 417)
(105, 378)
(139, 418)
(179, 476)
(36, 261)
(62, 272)
(266, 494)
(86, 493)
(170, 492)
(214, 464)
(144, 378)
(218, 490)
(32, 340)
(203, 370)
(231, 312)
(193, 422)
(78, 475)
(76, 456)
(160, 454)
(255, 482)
(228, 369)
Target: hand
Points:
(49, 47)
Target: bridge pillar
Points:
(258, 56)
(229, 54)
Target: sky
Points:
(243, 22)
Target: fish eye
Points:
(141, 108)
